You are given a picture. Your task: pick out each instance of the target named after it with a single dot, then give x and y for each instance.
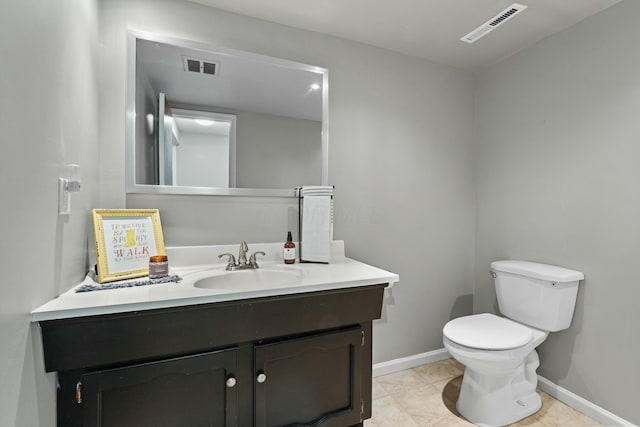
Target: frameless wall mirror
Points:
(204, 120)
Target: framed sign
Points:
(125, 239)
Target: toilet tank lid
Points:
(536, 270)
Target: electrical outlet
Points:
(64, 198)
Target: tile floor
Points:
(427, 395)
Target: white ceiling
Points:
(190, 125)
(424, 28)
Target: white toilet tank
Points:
(538, 295)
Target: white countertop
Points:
(341, 273)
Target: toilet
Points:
(499, 382)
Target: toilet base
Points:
(490, 399)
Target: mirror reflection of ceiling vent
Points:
(494, 22)
(201, 66)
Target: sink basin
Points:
(249, 279)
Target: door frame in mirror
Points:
(130, 132)
(219, 117)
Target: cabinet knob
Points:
(231, 382)
(79, 392)
(262, 377)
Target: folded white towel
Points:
(319, 190)
(315, 239)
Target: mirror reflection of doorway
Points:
(196, 148)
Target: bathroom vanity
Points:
(282, 346)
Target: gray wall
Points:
(202, 160)
(277, 152)
(146, 153)
(49, 118)
(557, 148)
(400, 133)
(273, 151)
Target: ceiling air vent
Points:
(201, 66)
(494, 22)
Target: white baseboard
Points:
(578, 403)
(409, 362)
(572, 400)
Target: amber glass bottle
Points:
(289, 250)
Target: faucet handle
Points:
(242, 254)
(252, 258)
(231, 261)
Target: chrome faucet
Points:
(242, 254)
(252, 259)
(242, 263)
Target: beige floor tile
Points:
(530, 422)
(387, 413)
(439, 371)
(424, 404)
(451, 420)
(377, 390)
(450, 392)
(440, 385)
(403, 380)
(555, 413)
(457, 364)
(427, 396)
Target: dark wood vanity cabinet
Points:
(310, 381)
(295, 360)
(186, 391)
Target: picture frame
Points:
(124, 240)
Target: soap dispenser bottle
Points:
(289, 254)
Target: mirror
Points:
(204, 120)
(195, 148)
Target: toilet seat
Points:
(487, 332)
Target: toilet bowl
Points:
(499, 382)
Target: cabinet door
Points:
(190, 391)
(310, 381)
